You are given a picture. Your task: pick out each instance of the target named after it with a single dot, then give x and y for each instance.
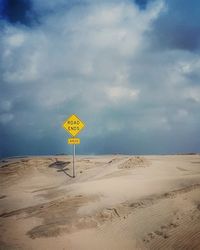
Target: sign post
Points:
(73, 125)
(74, 174)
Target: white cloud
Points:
(25, 72)
(119, 93)
(16, 40)
(188, 67)
(182, 114)
(193, 93)
(90, 43)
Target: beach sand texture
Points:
(116, 202)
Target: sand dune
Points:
(115, 202)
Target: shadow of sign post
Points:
(61, 167)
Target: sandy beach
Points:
(116, 202)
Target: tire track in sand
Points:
(165, 234)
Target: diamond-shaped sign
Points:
(73, 125)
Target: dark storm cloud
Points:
(142, 3)
(178, 27)
(18, 11)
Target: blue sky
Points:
(129, 69)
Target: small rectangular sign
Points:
(74, 140)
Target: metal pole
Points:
(74, 162)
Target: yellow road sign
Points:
(73, 125)
(74, 140)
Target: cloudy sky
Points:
(130, 69)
